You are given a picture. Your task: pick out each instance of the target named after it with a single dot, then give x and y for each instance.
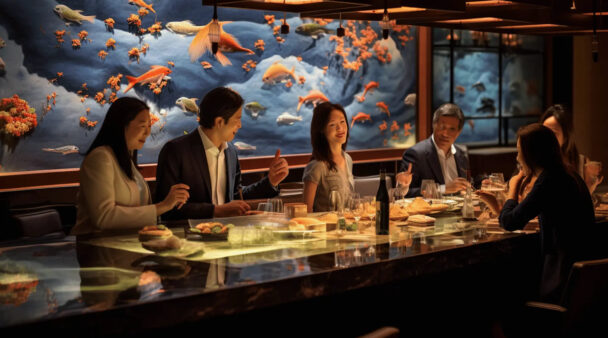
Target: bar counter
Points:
(344, 285)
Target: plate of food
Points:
(208, 231)
(158, 238)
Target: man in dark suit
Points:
(209, 165)
(437, 157)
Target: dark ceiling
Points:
(524, 17)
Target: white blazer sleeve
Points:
(97, 177)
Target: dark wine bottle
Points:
(382, 206)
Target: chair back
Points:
(39, 223)
(586, 295)
(368, 185)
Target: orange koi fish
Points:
(313, 96)
(394, 126)
(299, 58)
(206, 65)
(288, 84)
(471, 124)
(155, 74)
(383, 107)
(201, 44)
(460, 89)
(362, 117)
(102, 54)
(301, 80)
(368, 87)
(277, 72)
(383, 126)
(171, 63)
(75, 43)
(59, 74)
(143, 12)
(406, 129)
(269, 19)
(141, 3)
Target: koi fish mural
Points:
(171, 68)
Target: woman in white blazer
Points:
(113, 194)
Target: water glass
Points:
(265, 207)
(277, 204)
(593, 169)
(428, 189)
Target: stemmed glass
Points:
(401, 190)
(335, 201)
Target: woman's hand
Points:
(177, 196)
(514, 184)
(490, 200)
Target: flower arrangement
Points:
(17, 118)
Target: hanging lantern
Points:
(340, 30)
(385, 24)
(285, 26)
(214, 31)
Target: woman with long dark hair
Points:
(559, 119)
(330, 167)
(113, 194)
(558, 197)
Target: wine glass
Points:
(335, 201)
(401, 189)
(428, 189)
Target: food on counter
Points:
(304, 223)
(439, 207)
(254, 212)
(154, 232)
(398, 212)
(421, 220)
(329, 218)
(213, 227)
(419, 207)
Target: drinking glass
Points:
(277, 204)
(265, 207)
(402, 190)
(593, 169)
(428, 189)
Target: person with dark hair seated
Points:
(113, 194)
(206, 161)
(330, 167)
(437, 157)
(560, 199)
(559, 119)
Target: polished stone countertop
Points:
(111, 281)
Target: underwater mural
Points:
(62, 63)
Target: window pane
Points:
(513, 125)
(476, 83)
(522, 84)
(524, 42)
(441, 77)
(479, 131)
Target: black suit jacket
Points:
(425, 164)
(183, 160)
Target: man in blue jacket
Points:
(206, 162)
